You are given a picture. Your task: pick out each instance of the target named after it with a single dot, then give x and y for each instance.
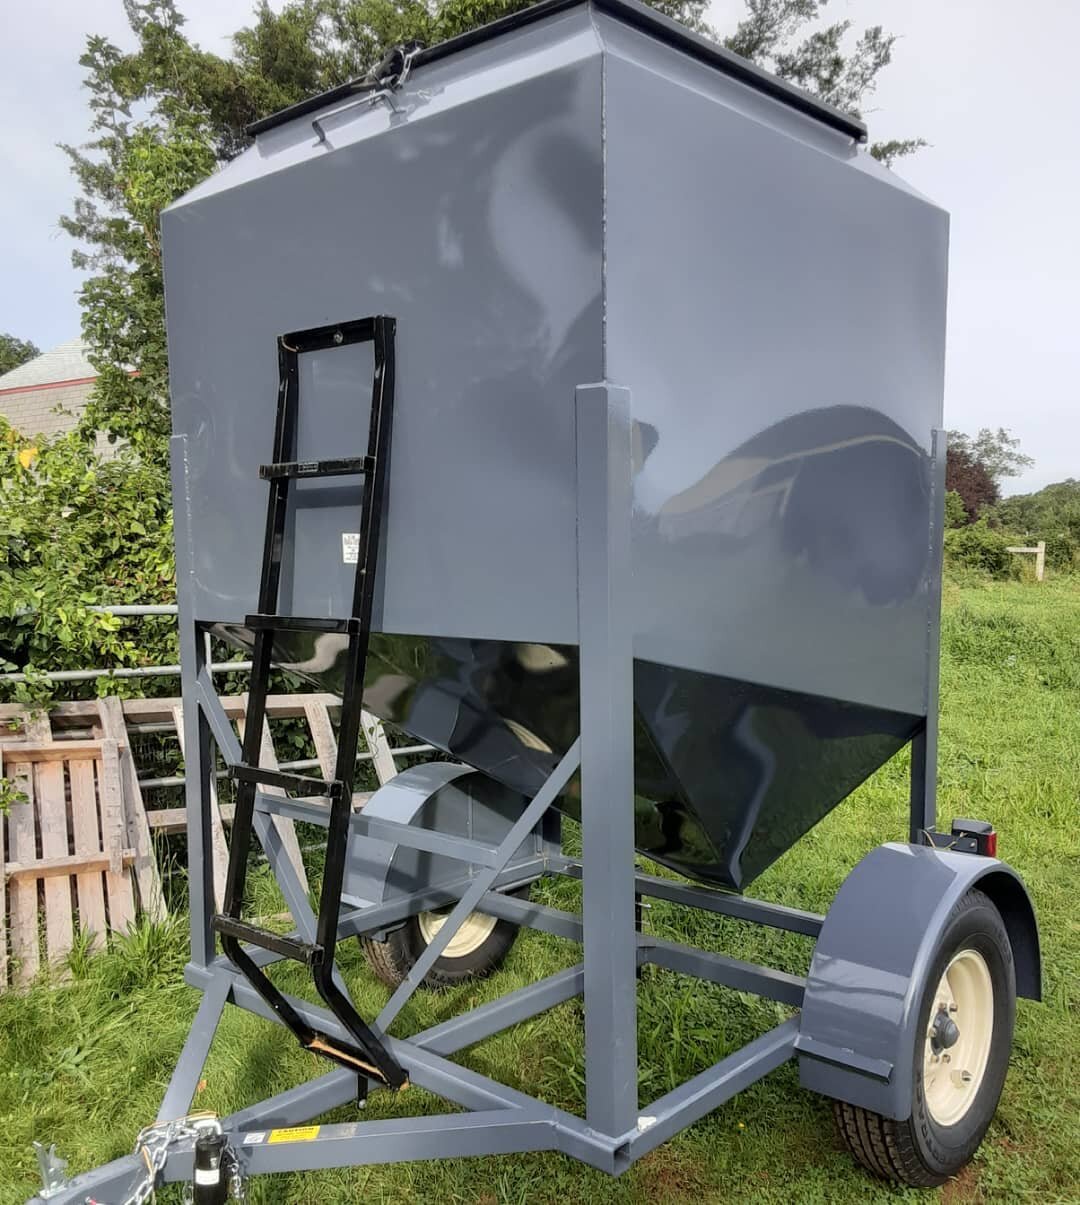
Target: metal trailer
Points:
(648, 351)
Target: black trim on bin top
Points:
(640, 16)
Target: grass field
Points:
(85, 1065)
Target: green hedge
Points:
(980, 547)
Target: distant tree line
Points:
(14, 352)
(975, 468)
(982, 525)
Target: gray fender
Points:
(447, 798)
(857, 1034)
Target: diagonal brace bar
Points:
(189, 1066)
(521, 828)
(220, 725)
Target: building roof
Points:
(61, 365)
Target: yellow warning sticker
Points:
(294, 1134)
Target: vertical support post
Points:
(1040, 560)
(606, 657)
(198, 767)
(924, 745)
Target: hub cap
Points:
(474, 931)
(958, 1037)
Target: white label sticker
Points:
(252, 1139)
(350, 547)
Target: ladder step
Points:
(287, 947)
(348, 466)
(301, 783)
(302, 623)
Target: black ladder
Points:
(365, 1054)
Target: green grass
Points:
(85, 1065)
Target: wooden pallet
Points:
(66, 858)
(85, 833)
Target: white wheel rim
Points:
(952, 1075)
(474, 931)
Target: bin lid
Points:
(631, 12)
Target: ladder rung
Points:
(302, 623)
(301, 783)
(287, 947)
(348, 466)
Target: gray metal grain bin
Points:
(581, 200)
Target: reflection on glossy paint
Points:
(728, 775)
(831, 489)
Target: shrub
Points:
(76, 530)
(979, 547)
(1061, 551)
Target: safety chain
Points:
(154, 1143)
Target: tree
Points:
(132, 171)
(774, 35)
(1053, 510)
(14, 352)
(997, 451)
(1052, 514)
(971, 479)
(955, 512)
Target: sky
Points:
(990, 84)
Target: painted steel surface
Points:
(576, 201)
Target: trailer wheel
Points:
(476, 949)
(967, 1017)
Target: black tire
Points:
(919, 1151)
(392, 959)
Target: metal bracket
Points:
(53, 1170)
(380, 84)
